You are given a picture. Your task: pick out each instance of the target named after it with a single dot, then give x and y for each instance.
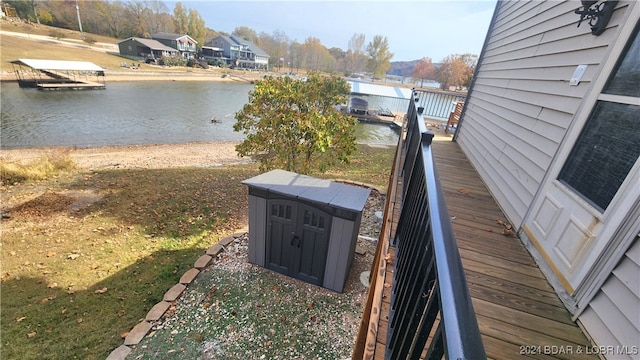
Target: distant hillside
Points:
(404, 68)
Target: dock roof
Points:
(365, 88)
(60, 65)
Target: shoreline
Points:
(166, 75)
(153, 156)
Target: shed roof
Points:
(366, 88)
(309, 188)
(60, 65)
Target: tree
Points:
(180, 19)
(316, 56)
(295, 125)
(155, 16)
(195, 27)
(113, 15)
(457, 70)
(379, 56)
(424, 70)
(275, 45)
(245, 32)
(356, 59)
(295, 56)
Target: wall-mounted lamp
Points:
(597, 12)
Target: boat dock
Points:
(58, 74)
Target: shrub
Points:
(174, 61)
(56, 34)
(38, 169)
(89, 40)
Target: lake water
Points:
(133, 113)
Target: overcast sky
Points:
(414, 29)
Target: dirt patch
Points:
(47, 204)
(52, 203)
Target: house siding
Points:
(123, 47)
(521, 104)
(613, 316)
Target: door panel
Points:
(281, 227)
(313, 245)
(298, 240)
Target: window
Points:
(609, 144)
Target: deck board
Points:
(514, 303)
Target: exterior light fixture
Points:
(597, 12)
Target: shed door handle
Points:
(294, 237)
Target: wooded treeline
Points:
(142, 18)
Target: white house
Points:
(236, 51)
(552, 125)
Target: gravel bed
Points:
(236, 310)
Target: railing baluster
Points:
(429, 280)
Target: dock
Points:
(58, 74)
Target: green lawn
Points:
(74, 281)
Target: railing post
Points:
(427, 138)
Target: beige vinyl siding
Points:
(613, 315)
(521, 103)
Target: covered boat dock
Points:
(370, 102)
(58, 74)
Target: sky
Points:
(414, 29)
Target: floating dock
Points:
(58, 74)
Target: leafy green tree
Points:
(379, 56)
(295, 124)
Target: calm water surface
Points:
(134, 113)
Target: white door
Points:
(597, 178)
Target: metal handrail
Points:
(430, 297)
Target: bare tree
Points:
(356, 59)
(155, 16)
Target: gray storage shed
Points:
(304, 227)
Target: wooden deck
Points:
(518, 313)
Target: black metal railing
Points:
(431, 310)
(438, 104)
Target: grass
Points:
(39, 169)
(12, 48)
(74, 278)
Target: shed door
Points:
(298, 240)
(580, 212)
(280, 235)
(313, 228)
